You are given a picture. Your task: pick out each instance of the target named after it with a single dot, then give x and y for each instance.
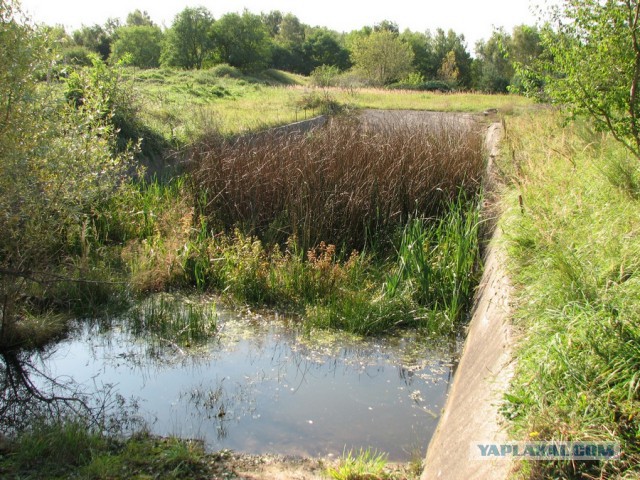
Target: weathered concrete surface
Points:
(471, 412)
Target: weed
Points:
(364, 465)
(174, 320)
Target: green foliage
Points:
(139, 18)
(593, 67)
(76, 55)
(382, 57)
(142, 43)
(453, 59)
(188, 42)
(242, 41)
(430, 86)
(57, 161)
(96, 38)
(424, 60)
(174, 319)
(323, 47)
(495, 68)
(72, 448)
(437, 261)
(325, 76)
(104, 89)
(56, 447)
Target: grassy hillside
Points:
(575, 259)
(183, 105)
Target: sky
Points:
(476, 19)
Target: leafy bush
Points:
(57, 162)
(325, 76)
(225, 70)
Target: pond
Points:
(263, 385)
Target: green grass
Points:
(174, 319)
(72, 449)
(575, 258)
(364, 465)
(440, 102)
(184, 105)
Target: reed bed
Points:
(350, 182)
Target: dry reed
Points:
(346, 183)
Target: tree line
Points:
(378, 55)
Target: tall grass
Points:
(437, 260)
(365, 464)
(343, 183)
(572, 236)
(176, 320)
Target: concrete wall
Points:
(471, 410)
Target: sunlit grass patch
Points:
(571, 230)
(362, 465)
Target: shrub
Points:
(225, 70)
(58, 161)
(325, 76)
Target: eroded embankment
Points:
(471, 415)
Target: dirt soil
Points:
(227, 465)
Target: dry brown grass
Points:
(342, 183)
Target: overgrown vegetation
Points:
(59, 160)
(71, 448)
(591, 65)
(355, 225)
(376, 54)
(574, 251)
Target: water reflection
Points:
(261, 386)
(29, 392)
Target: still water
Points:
(263, 385)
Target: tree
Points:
(287, 44)
(525, 52)
(188, 42)
(382, 57)
(386, 26)
(272, 21)
(494, 69)
(443, 44)
(95, 38)
(594, 64)
(142, 43)
(449, 71)
(525, 47)
(424, 60)
(139, 19)
(242, 41)
(323, 47)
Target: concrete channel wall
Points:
(471, 413)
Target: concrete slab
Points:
(471, 413)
